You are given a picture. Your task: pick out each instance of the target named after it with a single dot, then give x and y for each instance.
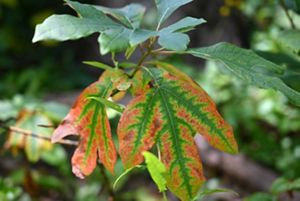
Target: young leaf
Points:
(156, 169)
(88, 119)
(166, 7)
(174, 41)
(140, 35)
(172, 37)
(183, 25)
(130, 15)
(248, 66)
(33, 146)
(67, 27)
(114, 40)
(170, 114)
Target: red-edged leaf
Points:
(140, 82)
(88, 119)
(170, 114)
(30, 121)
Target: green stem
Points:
(165, 196)
(283, 5)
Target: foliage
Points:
(167, 109)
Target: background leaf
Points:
(248, 66)
(33, 146)
(290, 39)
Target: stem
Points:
(165, 196)
(283, 5)
(113, 58)
(31, 134)
(106, 182)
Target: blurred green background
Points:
(47, 76)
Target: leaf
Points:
(170, 114)
(183, 25)
(248, 66)
(174, 41)
(110, 104)
(124, 174)
(282, 185)
(141, 35)
(166, 7)
(156, 169)
(261, 197)
(130, 15)
(33, 146)
(207, 192)
(172, 37)
(89, 120)
(114, 40)
(140, 82)
(290, 39)
(67, 27)
(98, 65)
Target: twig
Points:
(31, 134)
(106, 182)
(283, 5)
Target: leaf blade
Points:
(166, 7)
(88, 119)
(248, 66)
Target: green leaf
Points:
(124, 174)
(174, 41)
(172, 37)
(248, 66)
(183, 25)
(88, 119)
(140, 35)
(166, 7)
(170, 113)
(130, 15)
(290, 39)
(114, 40)
(110, 104)
(261, 197)
(207, 192)
(67, 27)
(156, 169)
(282, 185)
(33, 146)
(98, 65)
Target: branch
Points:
(283, 5)
(31, 134)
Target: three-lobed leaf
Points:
(170, 114)
(88, 119)
(248, 66)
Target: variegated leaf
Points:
(88, 119)
(31, 121)
(170, 114)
